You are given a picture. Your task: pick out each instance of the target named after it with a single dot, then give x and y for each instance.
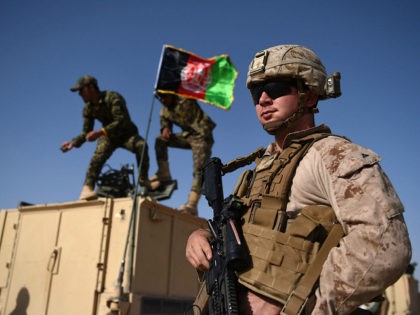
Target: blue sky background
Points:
(47, 45)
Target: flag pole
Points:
(160, 65)
(133, 215)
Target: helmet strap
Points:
(271, 128)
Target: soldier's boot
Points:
(88, 193)
(162, 175)
(191, 206)
(145, 184)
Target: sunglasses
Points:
(273, 89)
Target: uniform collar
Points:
(271, 149)
(302, 134)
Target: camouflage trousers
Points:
(201, 150)
(104, 149)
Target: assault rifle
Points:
(230, 253)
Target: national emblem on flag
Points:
(188, 75)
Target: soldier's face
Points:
(270, 110)
(83, 93)
(87, 93)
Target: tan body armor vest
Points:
(287, 255)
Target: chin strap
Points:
(272, 127)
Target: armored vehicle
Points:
(96, 257)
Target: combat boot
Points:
(144, 182)
(162, 175)
(88, 193)
(191, 206)
(144, 186)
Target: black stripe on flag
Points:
(173, 62)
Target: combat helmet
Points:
(285, 62)
(293, 62)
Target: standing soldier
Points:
(310, 191)
(196, 135)
(118, 131)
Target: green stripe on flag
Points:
(220, 90)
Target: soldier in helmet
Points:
(305, 178)
(118, 131)
(197, 135)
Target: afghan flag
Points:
(188, 75)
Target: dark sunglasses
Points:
(273, 89)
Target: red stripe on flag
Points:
(195, 77)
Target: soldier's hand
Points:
(93, 135)
(66, 146)
(198, 250)
(166, 133)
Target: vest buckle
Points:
(295, 304)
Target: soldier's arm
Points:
(88, 123)
(165, 121)
(376, 249)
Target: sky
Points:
(47, 45)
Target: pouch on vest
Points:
(287, 256)
(280, 259)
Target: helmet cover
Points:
(288, 62)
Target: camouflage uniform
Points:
(120, 132)
(196, 134)
(376, 248)
(333, 174)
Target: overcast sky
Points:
(47, 45)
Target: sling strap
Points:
(299, 296)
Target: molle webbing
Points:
(270, 189)
(287, 256)
(287, 265)
(287, 164)
(297, 299)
